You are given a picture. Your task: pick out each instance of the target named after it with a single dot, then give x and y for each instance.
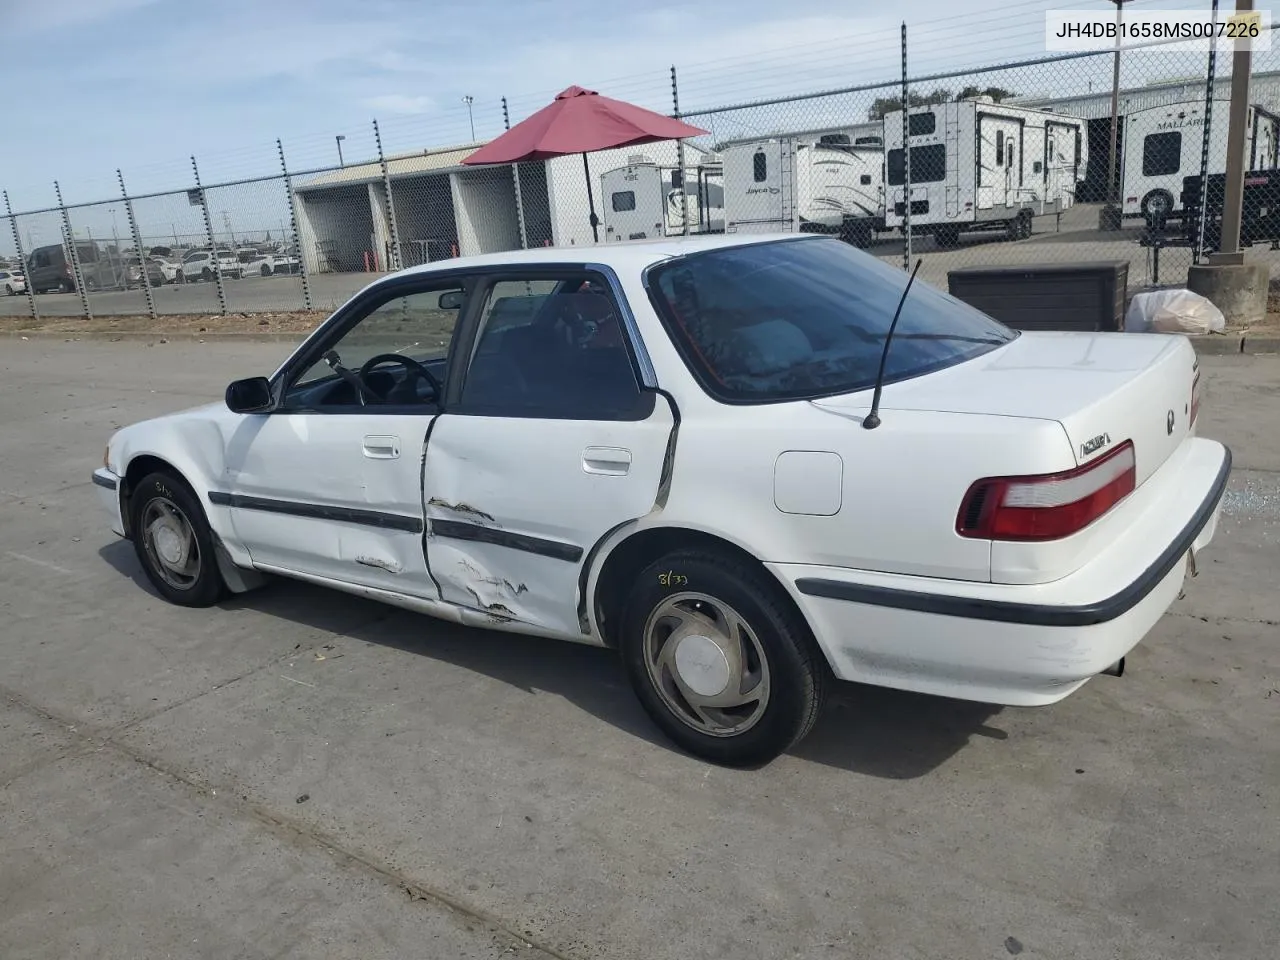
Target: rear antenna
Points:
(873, 418)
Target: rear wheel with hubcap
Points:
(173, 541)
(719, 659)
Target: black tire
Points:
(265, 270)
(206, 274)
(10, 291)
(66, 286)
(1156, 207)
(1019, 228)
(797, 674)
(206, 587)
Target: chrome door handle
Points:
(606, 461)
(382, 448)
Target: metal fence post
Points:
(391, 205)
(22, 259)
(293, 225)
(70, 240)
(684, 193)
(208, 232)
(1197, 253)
(906, 159)
(137, 245)
(515, 179)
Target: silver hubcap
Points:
(707, 664)
(171, 543)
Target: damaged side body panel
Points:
(511, 548)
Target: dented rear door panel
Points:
(514, 507)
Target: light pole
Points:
(1110, 216)
(338, 140)
(468, 100)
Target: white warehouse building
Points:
(444, 208)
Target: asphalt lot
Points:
(1074, 239)
(300, 774)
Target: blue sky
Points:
(143, 84)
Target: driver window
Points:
(416, 327)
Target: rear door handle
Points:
(382, 448)
(607, 461)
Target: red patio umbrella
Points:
(581, 121)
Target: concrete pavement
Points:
(298, 773)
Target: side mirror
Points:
(451, 300)
(252, 395)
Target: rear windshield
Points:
(792, 319)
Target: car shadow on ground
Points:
(868, 730)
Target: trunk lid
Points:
(1104, 388)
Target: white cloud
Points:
(400, 103)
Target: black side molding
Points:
(319, 511)
(109, 483)
(1033, 614)
(458, 530)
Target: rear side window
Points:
(1161, 154)
(552, 349)
(794, 319)
(759, 167)
(624, 200)
(918, 124)
(928, 165)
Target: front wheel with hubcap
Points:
(719, 659)
(173, 541)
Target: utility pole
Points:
(1241, 64)
(1236, 288)
(468, 100)
(338, 140)
(1109, 219)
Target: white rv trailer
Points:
(788, 184)
(643, 200)
(1163, 144)
(980, 165)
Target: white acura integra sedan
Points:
(670, 448)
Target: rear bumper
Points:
(107, 485)
(1015, 644)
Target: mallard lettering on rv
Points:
(1175, 124)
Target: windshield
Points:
(792, 319)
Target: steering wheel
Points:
(410, 365)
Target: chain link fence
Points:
(1009, 164)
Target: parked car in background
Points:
(201, 265)
(710, 455)
(12, 282)
(269, 264)
(133, 273)
(49, 269)
(169, 268)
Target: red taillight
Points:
(1048, 506)
(1195, 398)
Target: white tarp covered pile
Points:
(1173, 311)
